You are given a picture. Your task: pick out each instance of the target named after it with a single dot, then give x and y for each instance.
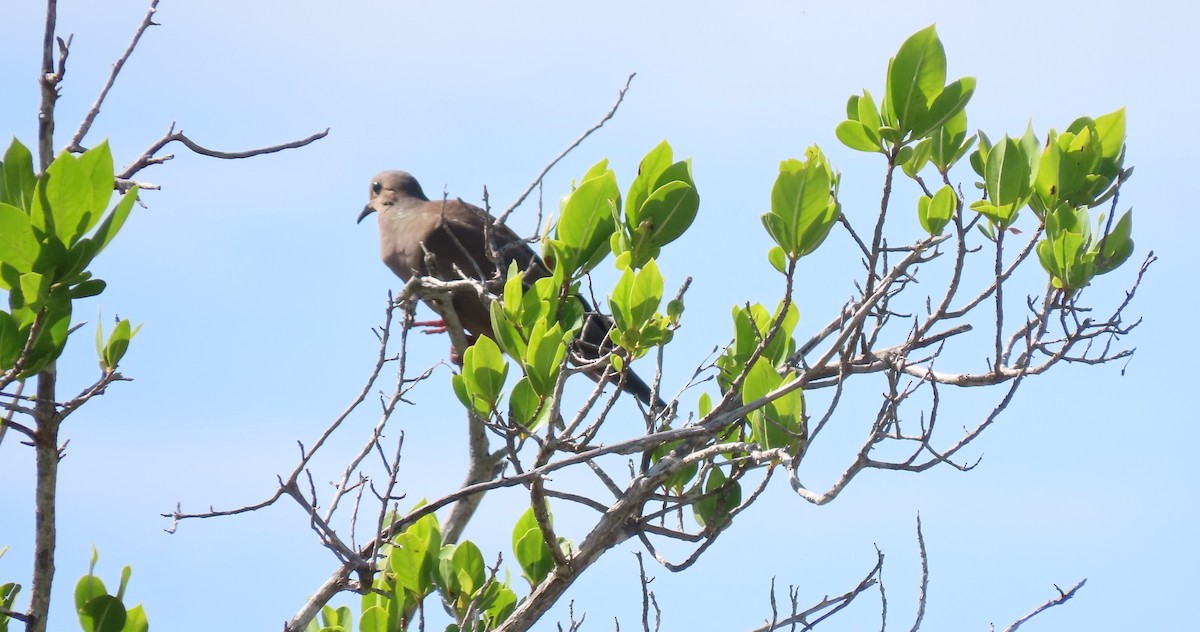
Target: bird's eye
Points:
(376, 187)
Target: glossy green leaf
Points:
(778, 258)
(19, 247)
(97, 166)
(468, 567)
(587, 221)
(92, 287)
(373, 619)
(136, 620)
(482, 378)
(646, 293)
(1111, 130)
(104, 613)
(917, 158)
(524, 404)
(867, 113)
(12, 341)
(501, 606)
(778, 423)
(916, 76)
(49, 343)
(1115, 249)
(86, 589)
(669, 211)
(656, 161)
(802, 206)
(62, 200)
(949, 103)
(1008, 173)
(855, 135)
(544, 357)
(118, 344)
(949, 142)
(507, 336)
(530, 547)
(936, 212)
(411, 560)
(19, 181)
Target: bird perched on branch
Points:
(449, 239)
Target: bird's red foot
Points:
(431, 326)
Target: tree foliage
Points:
(750, 414)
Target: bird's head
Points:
(388, 189)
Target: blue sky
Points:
(258, 291)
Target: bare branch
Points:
(147, 22)
(829, 605)
(149, 156)
(923, 594)
(1062, 598)
(611, 112)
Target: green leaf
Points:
(502, 605)
(719, 500)
(62, 200)
(97, 165)
(951, 102)
(653, 164)
(51, 340)
(544, 357)
(19, 181)
(1117, 247)
(1008, 173)
(855, 135)
(916, 76)
(682, 477)
(935, 213)
(373, 619)
(778, 258)
(669, 211)
(88, 588)
(136, 620)
(118, 344)
(524, 404)
(867, 113)
(530, 548)
(483, 373)
(778, 424)
(19, 247)
(506, 332)
(411, 561)
(12, 341)
(803, 207)
(587, 221)
(916, 159)
(646, 293)
(89, 288)
(468, 567)
(104, 613)
(1110, 128)
(949, 142)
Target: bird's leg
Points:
(431, 326)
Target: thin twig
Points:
(611, 112)
(147, 22)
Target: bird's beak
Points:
(367, 210)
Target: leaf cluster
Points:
(52, 226)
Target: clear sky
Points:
(258, 290)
